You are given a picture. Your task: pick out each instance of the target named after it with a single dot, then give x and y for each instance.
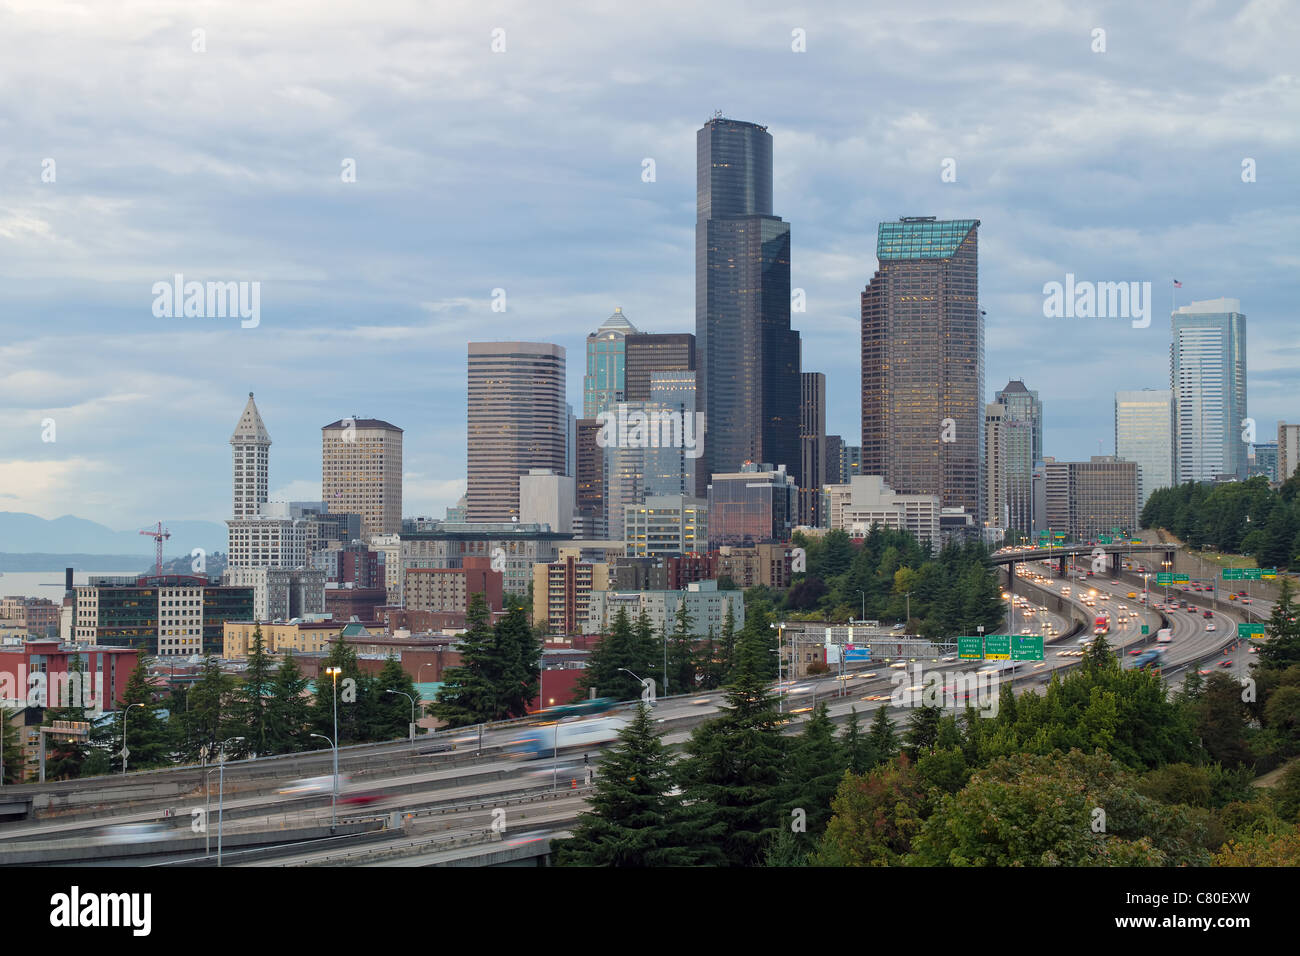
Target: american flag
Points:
(1177, 284)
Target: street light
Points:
(780, 700)
(221, 792)
(1011, 612)
(125, 752)
(335, 672)
(864, 604)
(334, 790)
(412, 700)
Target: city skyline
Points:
(142, 404)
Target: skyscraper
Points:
(361, 472)
(250, 446)
(812, 448)
(1023, 422)
(1208, 378)
(1288, 450)
(258, 540)
(517, 421)
(649, 352)
(747, 354)
(1144, 433)
(995, 467)
(923, 362)
(605, 381)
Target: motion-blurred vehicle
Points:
(1227, 663)
(1210, 626)
(310, 785)
(541, 740)
(134, 833)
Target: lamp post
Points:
(125, 752)
(864, 605)
(1011, 612)
(334, 790)
(780, 700)
(221, 792)
(412, 700)
(335, 672)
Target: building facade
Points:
(666, 524)
(606, 377)
(361, 472)
(1023, 424)
(517, 421)
(1208, 381)
(867, 501)
(1288, 450)
(923, 362)
(706, 605)
(751, 506)
(748, 357)
(1144, 433)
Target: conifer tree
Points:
(468, 694)
(636, 817)
(287, 709)
(815, 768)
(883, 738)
(252, 697)
(64, 757)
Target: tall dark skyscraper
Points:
(650, 352)
(923, 362)
(747, 354)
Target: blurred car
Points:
(1227, 663)
(134, 833)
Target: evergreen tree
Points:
(858, 754)
(709, 664)
(252, 698)
(1282, 649)
(208, 717)
(607, 666)
(882, 737)
(147, 737)
(681, 653)
(636, 817)
(519, 651)
(922, 731)
(733, 774)
(815, 768)
(469, 692)
(287, 709)
(14, 760)
(390, 714)
(727, 643)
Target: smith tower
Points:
(747, 355)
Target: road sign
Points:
(997, 647)
(1233, 574)
(1059, 536)
(1146, 629)
(1181, 578)
(970, 648)
(1027, 647)
(1250, 630)
(1164, 578)
(1104, 539)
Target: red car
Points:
(1227, 663)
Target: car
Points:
(134, 833)
(1210, 626)
(1135, 652)
(1245, 600)
(1227, 663)
(1208, 614)
(1205, 671)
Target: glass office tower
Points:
(747, 354)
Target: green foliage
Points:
(619, 651)
(875, 817)
(635, 816)
(498, 672)
(815, 768)
(252, 705)
(65, 758)
(1059, 809)
(287, 712)
(10, 746)
(147, 737)
(1243, 517)
(1282, 649)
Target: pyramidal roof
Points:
(617, 323)
(250, 428)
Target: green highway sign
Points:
(1181, 578)
(970, 648)
(1116, 531)
(1059, 536)
(1027, 647)
(1250, 630)
(997, 647)
(1232, 574)
(1163, 578)
(1104, 539)
(1146, 629)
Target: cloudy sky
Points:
(133, 148)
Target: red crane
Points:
(160, 535)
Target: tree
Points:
(727, 642)
(618, 652)
(1221, 719)
(251, 699)
(12, 750)
(636, 815)
(681, 653)
(390, 714)
(883, 739)
(1282, 649)
(147, 736)
(875, 817)
(65, 756)
(350, 691)
(469, 692)
(815, 768)
(735, 767)
(287, 710)
(859, 757)
(519, 652)
(208, 717)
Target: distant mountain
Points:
(24, 533)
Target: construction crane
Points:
(159, 536)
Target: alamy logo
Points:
(655, 429)
(208, 300)
(58, 690)
(75, 909)
(1098, 300)
(949, 690)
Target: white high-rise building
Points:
(1208, 378)
(1144, 433)
(255, 539)
(1288, 450)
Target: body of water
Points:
(47, 584)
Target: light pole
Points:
(780, 700)
(335, 672)
(412, 700)
(908, 595)
(221, 792)
(864, 605)
(334, 790)
(1011, 612)
(125, 752)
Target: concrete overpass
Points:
(1115, 554)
